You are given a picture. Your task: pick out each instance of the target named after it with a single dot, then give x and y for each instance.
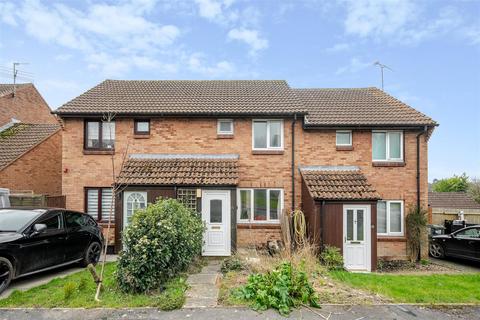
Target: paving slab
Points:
(203, 290)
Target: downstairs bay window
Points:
(260, 205)
(390, 218)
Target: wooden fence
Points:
(35, 200)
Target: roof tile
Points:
(357, 106)
(338, 185)
(452, 200)
(22, 137)
(179, 171)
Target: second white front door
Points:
(357, 237)
(216, 215)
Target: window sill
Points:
(344, 148)
(268, 151)
(87, 151)
(391, 239)
(258, 225)
(141, 136)
(105, 223)
(225, 136)
(388, 164)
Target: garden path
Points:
(203, 291)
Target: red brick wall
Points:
(27, 106)
(40, 169)
(392, 183)
(180, 135)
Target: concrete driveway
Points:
(458, 264)
(388, 312)
(38, 279)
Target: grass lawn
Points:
(78, 290)
(434, 288)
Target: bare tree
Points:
(116, 189)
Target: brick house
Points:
(242, 153)
(30, 142)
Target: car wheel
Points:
(437, 251)
(92, 254)
(6, 273)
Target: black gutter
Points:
(177, 114)
(366, 127)
(293, 160)
(418, 164)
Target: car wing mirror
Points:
(38, 228)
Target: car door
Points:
(464, 243)
(46, 248)
(78, 236)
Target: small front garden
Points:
(162, 244)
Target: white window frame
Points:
(342, 144)
(224, 132)
(402, 219)
(268, 121)
(251, 219)
(387, 146)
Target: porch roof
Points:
(337, 183)
(180, 169)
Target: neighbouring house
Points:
(26, 105)
(30, 142)
(447, 206)
(243, 153)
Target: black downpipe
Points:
(293, 160)
(418, 165)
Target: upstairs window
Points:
(98, 202)
(344, 138)
(387, 146)
(99, 135)
(142, 127)
(225, 127)
(260, 205)
(267, 135)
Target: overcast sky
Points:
(433, 48)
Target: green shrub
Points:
(332, 258)
(416, 228)
(283, 289)
(160, 241)
(69, 289)
(232, 264)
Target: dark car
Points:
(463, 243)
(34, 240)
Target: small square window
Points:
(225, 126)
(142, 127)
(344, 138)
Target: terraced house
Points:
(243, 153)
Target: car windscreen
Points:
(15, 220)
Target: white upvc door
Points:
(132, 200)
(216, 215)
(357, 238)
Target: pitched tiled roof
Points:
(180, 170)
(227, 97)
(357, 107)
(337, 183)
(7, 88)
(452, 200)
(20, 138)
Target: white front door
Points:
(132, 200)
(357, 237)
(216, 214)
